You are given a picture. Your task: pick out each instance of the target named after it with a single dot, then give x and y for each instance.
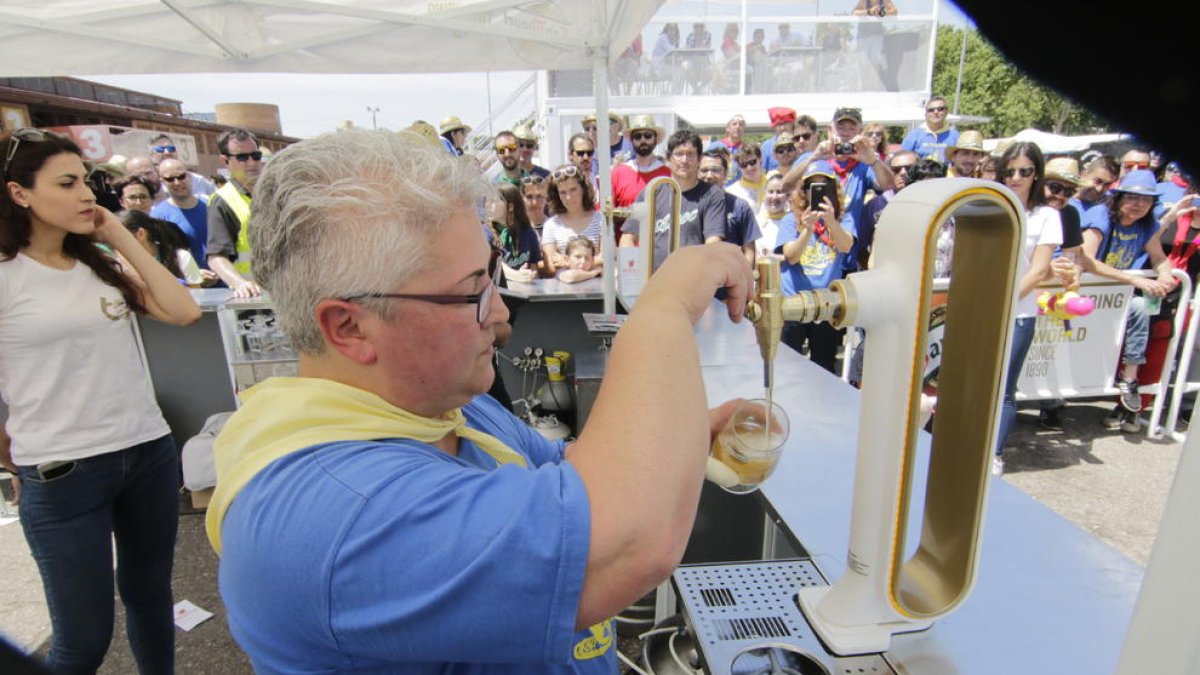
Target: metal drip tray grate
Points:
(734, 609)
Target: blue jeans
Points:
(1021, 342)
(70, 522)
(1137, 332)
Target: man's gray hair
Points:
(350, 212)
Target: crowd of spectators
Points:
(813, 195)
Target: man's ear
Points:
(343, 326)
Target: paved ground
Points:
(1111, 484)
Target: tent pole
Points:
(607, 244)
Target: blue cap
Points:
(1139, 182)
(820, 167)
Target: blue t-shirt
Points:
(928, 144)
(526, 249)
(854, 189)
(393, 556)
(821, 264)
(193, 222)
(1168, 194)
(741, 227)
(1122, 248)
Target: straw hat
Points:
(967, 140)
(524, 133)
(1064, 169)
(452, 123)
(644, 123)
(424, 131)
(115, 166)
(612, 116)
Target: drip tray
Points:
(745, 619)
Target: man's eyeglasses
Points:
(903, 168)
(533, 179)
(163, 148)
(247, 156)
(176, 179)
(505, 149)
(583, 153)
(747, 163)
(1024, 172)
(482, 300)
(1063, 189)
(589, 127)
(643, 136)
(527, 145)
(136, 198)
(785, 148)
(18, 136)
(1130, 166)
(565, 172)
(804, 136)
(936, 109)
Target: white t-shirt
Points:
(70, 372)
(556, 232)
(1042, 226)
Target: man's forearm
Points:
(225, 269)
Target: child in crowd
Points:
(581, 261)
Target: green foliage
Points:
(993, 87)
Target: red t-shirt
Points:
(628, 182)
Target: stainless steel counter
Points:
(1050, 598)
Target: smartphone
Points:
(817, 192)
(54, 469)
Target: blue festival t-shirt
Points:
(820, 265)
(1121, 247)
(929, 144)
(394, 556)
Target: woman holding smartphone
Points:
(814, 240)
(95, 457)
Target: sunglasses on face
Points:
(936, 109)
(903, 168)
(804, 136)
(1024, 172)
(533, 179)
(643, 136)
(1130, 166)
(527, 145)
(247, 156)
(505, 149)
(163, 148)
(176, 179)
(589, 127)
(583, 153)
(21, 135)
(785, 148)
(876, 134)
(565, 172)
(747, 163)
(482, 300)
(1057, 188)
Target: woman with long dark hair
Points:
(520, 249)
(95, 458)
(1022, 169)
(572, 204)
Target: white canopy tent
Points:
(1055, 143)
(83, 37)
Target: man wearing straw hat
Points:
(528, 142)
(965, 155)
(454, 135)
(629, 178)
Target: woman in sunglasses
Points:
(1022, 169)
(95, 458)
(573, 207)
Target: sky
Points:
(310, 104)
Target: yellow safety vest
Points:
(240, 204)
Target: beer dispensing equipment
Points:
(881, 592)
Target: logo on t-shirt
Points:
(596, 644)
(114, 310)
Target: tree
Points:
(993, 87)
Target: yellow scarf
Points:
(285, 414)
